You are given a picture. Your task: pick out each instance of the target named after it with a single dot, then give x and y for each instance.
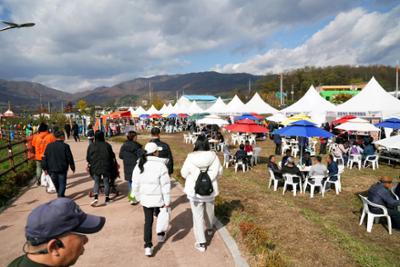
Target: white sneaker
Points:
(200, 247)
(148, 252)
(161, 238)
(94, 202)
(210, 232)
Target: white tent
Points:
(211, 120)
(310, 102)
(358, 125)
(218, 107)
(194, 108)
(139, 111)
(152, 110)
(236, 106)
(169, 109)
(277, 117)
(257, 105)
(371, 100)
(392, 142)
(163, 109)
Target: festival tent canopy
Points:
(392, 142)
(303, 128)
(295, 118)
(218, 107)
(277, 117)
(246, 126)
(343, 119)
(312, 101)
(212, 120)
(140, 111)
(235, 106)
(372, 98)
(152, 110)
(393, 123)
(194, 108)
(358, 125)
(163, 109)
(257, 104)
(247, 116)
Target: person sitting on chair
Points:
(380, 194)
(306, 160)
(285, 158)
(274, 167)
(241, 155)
(318, 169)
(291, 168)
(333, 169)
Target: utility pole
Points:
(397, 79)
(292, 92)
(281, 87)
(62, 107)
(48, 107)
(249, 87)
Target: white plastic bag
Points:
(163, 220)
(50, 188)
(43, 180)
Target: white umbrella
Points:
(211, 120)
(390, 142)
(358, 125)
(277, 117)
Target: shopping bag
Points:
(132, 197)
(50, 188)
(163, 220)
(43, 180)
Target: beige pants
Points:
(203, 213)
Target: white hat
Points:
(151, 148)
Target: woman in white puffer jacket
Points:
(199, 160)
(151, 186)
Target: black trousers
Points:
(322, 148)
(278, 149)
(395, 216)
(149, 214)
(76, 137)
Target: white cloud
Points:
(353, 37)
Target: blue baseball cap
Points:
(57, 217)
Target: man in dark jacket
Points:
(165, 152)
(102, 164)
(291, 168)
(278, 143)
(67, 128)
(274, 167)
(130, 152)
(380, 194)
(56, 160)
(75, 131)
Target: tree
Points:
(81, 105)
(341, 98)
(68, 107)
(157, 101)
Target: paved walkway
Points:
(120, 243)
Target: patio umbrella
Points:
(343, 119)
(392, 142)
(294, 118)
(173, 115)
(358, 125)
(212, 120)
(258, 116)
(246, 126)
(144, 116)
(183, 115)
(393, 123)
(155, 116)
(247, 116)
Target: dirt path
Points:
(120, 243)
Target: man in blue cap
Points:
(55, 234)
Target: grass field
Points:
(282, 230)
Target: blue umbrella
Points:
(247, 116)
(144, 116)
(393, 123)
(173, 115)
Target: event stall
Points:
(256, 104)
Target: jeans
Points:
(60, 182)
(203, 212)
(149, 214)
(96, 188)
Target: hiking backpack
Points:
(203, 185)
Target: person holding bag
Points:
(201, 170)
(151, 186)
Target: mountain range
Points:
(27, 95)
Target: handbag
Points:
(163, 220)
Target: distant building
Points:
(204, 101)
(8, 113)
(330, 91)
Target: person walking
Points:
(39, 144)
(198, 162)
(101, 165)
(75, 132)
(67, 128)
(130, 151)
(55, 162)
(90, 134)
(278, 143)
(151, 186)
(165, 152)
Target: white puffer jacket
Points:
(152, 187)
(196, 161)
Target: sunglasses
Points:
(387, 182)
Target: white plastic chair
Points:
(257, 151)
(227, 160)
(285, 146)
(288, 178)
(242, 164)
(273, 180)
(354, 158)
(373, 159)
(337, 183)
(338, 160)
(234, 138)
(371, 216)
(252, 139)
(394, 194)
(315, 181)
(295, 150)
(186, 138)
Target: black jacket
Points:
(165, 153)
(101, 159)
(275, 169)
(291, 170)
(75, 129)
(378, 194)
(57, 157)
(129, 153)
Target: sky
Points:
(79, 45)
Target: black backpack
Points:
(203, 185)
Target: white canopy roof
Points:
(257, 105)
(235, 106)
(310, 102)
(277, 117)
(373, 98)
(218, 107)
(390, 142)
(152, 110)
(211, 120)
(194, 108)
(169, 109)
(163, 109)
(140, 111)
(358, 125)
